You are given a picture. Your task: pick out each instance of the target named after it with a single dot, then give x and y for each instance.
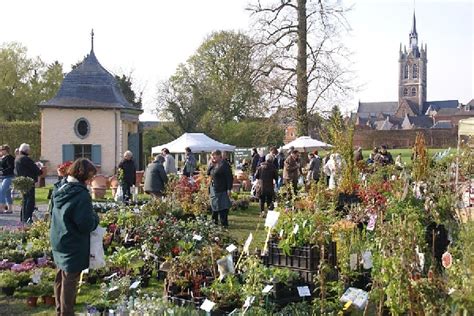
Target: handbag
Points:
(119, 194)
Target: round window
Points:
(82, 128)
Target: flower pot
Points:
(48, 300)
(32, 301)
(8, 291)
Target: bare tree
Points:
(303, 38)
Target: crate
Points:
(301, 258)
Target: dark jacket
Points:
(129, 171)
(281, 160)
(25, 167)
(72, 221)
(222, 178)
(255, 161)
(267, 173)
(291, 169)
(7, 166)
(315, 167)
(155, 178)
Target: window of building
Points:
(82, 128)
(415, 71)
(405, 92)
(405, 72)
(413, 91)
(83, 151)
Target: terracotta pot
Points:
(98, 193)
(139, 177)
(48, 300)
(32, 301)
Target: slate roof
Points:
(422, 121)
(443, 124)
(366, 108)
(88, 86)
(447, 111)
(438, 105)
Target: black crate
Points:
(301, 258)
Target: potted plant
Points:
(8, 282)
(23, 278)
(46, 286)
(34, 291)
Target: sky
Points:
(150, 38)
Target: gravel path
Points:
(13, 220)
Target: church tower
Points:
(412, 74)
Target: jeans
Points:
(6, 190)
(28, 205)
(65, 289)
(222, 214)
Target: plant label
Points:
(371, 224)
(359, 298)
(115, 288)
(36, 277)
(353, 261)
(247, 243)
(447, 260)
(271, 219)
(207, 305)
(267, 289)
(135, 285)
(304, 223)
(111, 276)
(197, 237)
(85, 271)
(367, 259)
(249, 301)
(303, 291)
(281, 233)
(231, 248)
(295, 229)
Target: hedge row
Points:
(18, 132)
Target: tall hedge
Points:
(18, 132)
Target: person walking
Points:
(291, 170)
(314, 169)
(156, 178)
(221, 186)
(189, 163)
(7, 168)
(169, 164)
(358, 154)
(267, 175)
(254, 164)
(72, 221)
(25, 167)
(127, 165)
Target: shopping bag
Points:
(301, 181)
(96, 257)
(119, 194)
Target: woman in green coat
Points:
(72, 221)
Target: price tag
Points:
(247, 243)
(367, 259)
(295, 230)
(353, 261)
(197, 237)
(272, 219)
(303, 291)
(134, 285)
(231, 248)
(267, 289)
(207, 305)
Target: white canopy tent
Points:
(306, 143)
(198, 142)
(466, 127)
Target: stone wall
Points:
(435, 138)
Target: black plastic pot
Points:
(8, 291)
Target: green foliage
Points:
(156, 136)
(25, 82)
(18, 132)
(125, 84)
(8, 279)
(23, 184)
(249, 133)
(225, 293)
(219, 83)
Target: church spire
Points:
(414, 35)
(92, 41)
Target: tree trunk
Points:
(301, 72)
